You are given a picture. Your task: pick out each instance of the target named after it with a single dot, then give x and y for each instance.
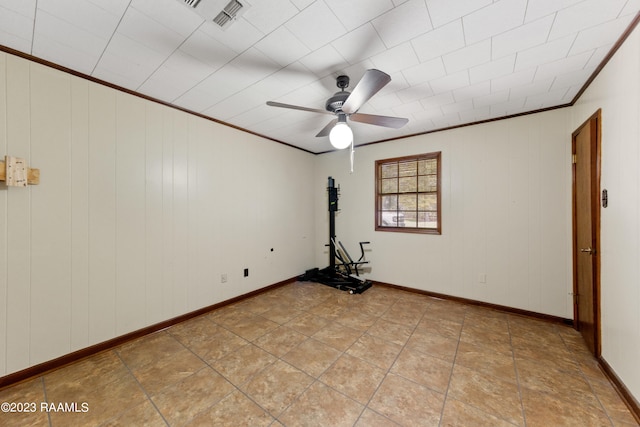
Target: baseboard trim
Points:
(59, 362)
(621, 389)
(618, 385)
(497, 307)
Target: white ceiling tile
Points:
(85, 15)
(171, 14)
(266, 16)
(359, 44)
(437, 101)
(493, 69)
(531, 89)
(599, 35)
(457, 107)
(116, 7)
(450, 82)
(444, 11)
(403, 23)
(166, 84)
(16, 30)
(631, 8)
(253, 65)
(301, 4)
(316, 26)
(139, 27)
(415, 93)
(181, 71)
(424, 72)
(570, 79)
(529, 35)
(584, 15)
(520, 78)
(72, 38)
(235, 105)
(129, 59)
(544, 100)
(381, 102)
(472, 91)
(239, 37)
(396, 59)
(293, 76)
(52, 50)
(292, 51)
(439, 41)
(25, 8)
(282, 47)
(513, 106)
(216, 88)
(424, 116)
(542, 54)
(313, 95)
(540, 8)
(467, 57)
(207, 50)
(563, 66)
(476, 114)
(354, 13)
(446, 120)
(495, 19)
(324, 61)
(398, 83)
(491, 98)
(599, 55)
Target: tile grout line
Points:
(453, 365)
(144, 390)
(585, 378)
(515, 367)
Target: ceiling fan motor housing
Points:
(334, 104)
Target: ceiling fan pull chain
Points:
(352, 155)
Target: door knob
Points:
(588, 251)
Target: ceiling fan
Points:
(346, 104)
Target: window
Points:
(408, 194)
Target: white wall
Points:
(616, 91)
(506, 213)
(140, 210)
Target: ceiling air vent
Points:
(192, 3)
(228, 13)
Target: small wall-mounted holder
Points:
(15, 173)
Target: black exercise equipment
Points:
(342, 272)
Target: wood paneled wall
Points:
(140, 210)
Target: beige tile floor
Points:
(310, 355)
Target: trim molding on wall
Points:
(497, 307)
(621, 389)
(75, 356)
(584, 87)
(618, 385)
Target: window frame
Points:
(437, 155)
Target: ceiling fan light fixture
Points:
(341, 135)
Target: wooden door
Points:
(586, 227)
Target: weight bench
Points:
(346, 262)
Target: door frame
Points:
(596, 120)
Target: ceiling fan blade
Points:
(325, 130)
(296, 107)
(386, 121)
(369, 85)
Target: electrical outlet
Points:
(223, 278)
(246, 272)
(482, 278)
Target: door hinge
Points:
(574, 159)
